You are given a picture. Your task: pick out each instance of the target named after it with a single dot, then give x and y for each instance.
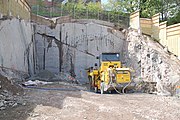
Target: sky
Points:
(104, 1)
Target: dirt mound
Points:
(146, 87)
(67, 77)
(9, 94)
(12, 74)
(44, 75)
(7, 85)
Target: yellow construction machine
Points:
(110, 75)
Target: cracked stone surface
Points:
(151, 62)
(16, 46)
(73, 47)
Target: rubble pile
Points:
(12, 74)
(9, 94)
(146, 87)
(45, 75)
(67, 77)
(151, 63)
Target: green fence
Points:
(113, 17)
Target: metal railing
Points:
(109, 16)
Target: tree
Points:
(40, 3)
(127, 6)
(91, 6)
(169, 9)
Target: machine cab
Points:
(108, 60)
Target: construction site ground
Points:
(65, 101)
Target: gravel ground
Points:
(74, 102)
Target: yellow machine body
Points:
(110, 75)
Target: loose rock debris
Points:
(37, 104)
(45, 75)
(151, 63)
(80, 104)
(9, 94)
(35, 83)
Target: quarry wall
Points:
(73, 47)
(16, 45)
(151, 63)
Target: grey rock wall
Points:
(27, 48)
(151, 62)
(73, 47)
(16, 46)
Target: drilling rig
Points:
(110, 75)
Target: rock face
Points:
(73, 47)
(151, 62)
(16, 45)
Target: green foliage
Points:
(149, 7)
(94, 6)
(175, 19)
(169, 9)
(40, 3)
(122, 6)
(79, 6)
(81, 10)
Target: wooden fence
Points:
(15, 8)
(168, 36)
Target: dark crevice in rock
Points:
(54, 38)
(49, 40)
(27, 57)
(33, 55)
